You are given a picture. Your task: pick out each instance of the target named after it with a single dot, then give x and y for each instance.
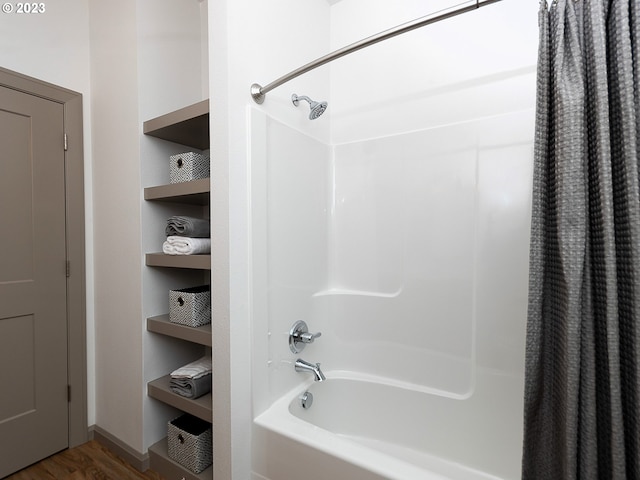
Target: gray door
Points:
(33, 306)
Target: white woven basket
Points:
(190, 442)
(190, 306)
(188, 166)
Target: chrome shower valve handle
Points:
(309, 337)
(299, 336)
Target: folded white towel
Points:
(193, 370)
(176, 245)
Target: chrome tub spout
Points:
(303, 366)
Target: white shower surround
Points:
(404, 239)
(413, 266)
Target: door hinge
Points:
(68, 393)
(68, 269)
(66, 143)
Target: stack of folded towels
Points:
(187, 236)
(192, 380)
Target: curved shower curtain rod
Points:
(258, 92)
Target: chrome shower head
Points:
(317, 108)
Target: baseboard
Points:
(140, 461)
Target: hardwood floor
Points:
(90, 461)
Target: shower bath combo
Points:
(401, 443)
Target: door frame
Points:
(75, 242)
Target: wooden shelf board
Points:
(200, 407)
(195, 192)
(200, 262)
(162, 325)
(186, 126)
(161, 463)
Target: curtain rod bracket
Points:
(256, 93)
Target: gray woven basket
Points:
(190, 306)
(188, 166)
(190, 442)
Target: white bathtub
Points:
(364, 430)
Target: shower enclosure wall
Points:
(402, 235)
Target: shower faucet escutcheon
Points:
(299, 336)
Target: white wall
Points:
(116, 180)
(250, 41)
(54, 47)
(474, 65)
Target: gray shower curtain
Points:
(582, 385)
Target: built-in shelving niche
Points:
(188, 126)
